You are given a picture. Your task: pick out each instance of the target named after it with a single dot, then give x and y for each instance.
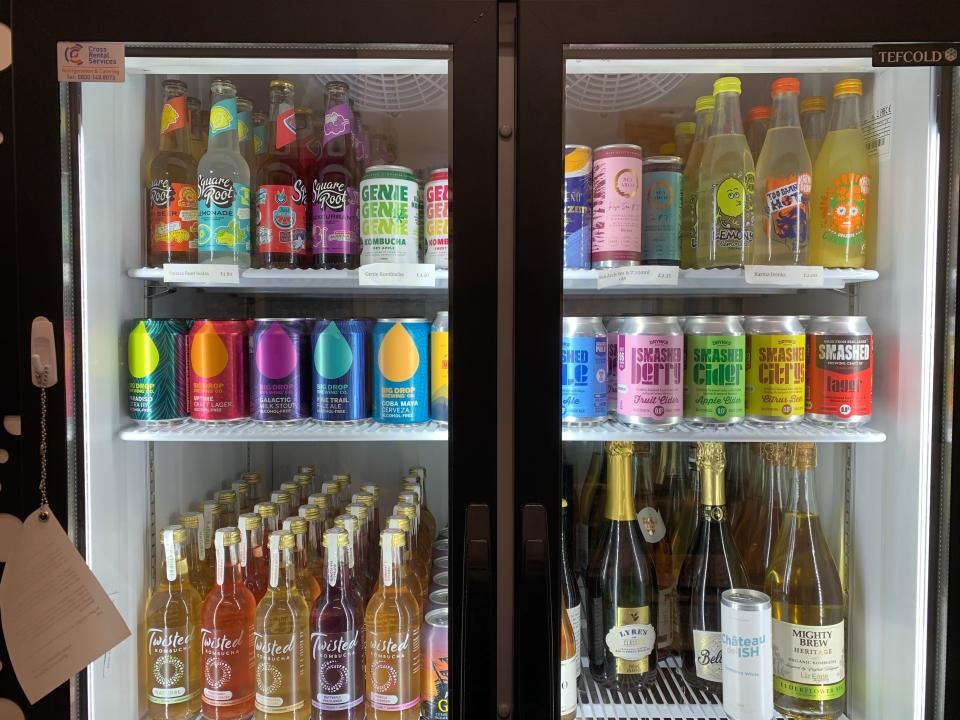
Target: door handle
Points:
(535, 618)
(476, 694)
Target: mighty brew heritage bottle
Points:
(568, 586)
(756, 534)
(253, 561)
(712, 566)
(622, 587)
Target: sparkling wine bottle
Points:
(762, 514)
(569, 666)
(568, 585)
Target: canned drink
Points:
(438, 599)
(583, 383)
(218, 370)
(617, 206)
(440, 548)
(776, 363)
(279, 351)
(440, 580)
(390, 206)
(434, 675)
(442, 563)
(157, 371)
(577, 206)
(440, 368)
(650, 371)
(444, 532)
(436, 216)
(613, 325)
(401, 394)
(662, 182)
(839, 370)
(341, 368)
(745, 630)
(714, 369)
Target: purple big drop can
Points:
(279, 370)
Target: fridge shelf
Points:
(741, 432)
(250, 431)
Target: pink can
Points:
(218, 370)
(617, 205)
(650, 371)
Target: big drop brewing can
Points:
(341, 367)
(662, 182)
(218, 370)
(157, 371)
(440, 368)
(714, 358)
(577, 202)
(434, 673)
(279, 348)
(583, 376)
(613, 325)
(776, 363)
(401, 392)
(436, 212)
(617, 206)
(390, 207)
(745, 636)
(839, 370)
(650, 371)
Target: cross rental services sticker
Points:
(90, 61)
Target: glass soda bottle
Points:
(172, 635)
(196, 550)
(335, 210)
(783, 183)
(410, 577)
(684, 133)
(281, 639)
(253, 562)
(691, 177)
(308, 141)
(259, 138)
(841, 185)
(227, 636)
(336, 637)
(363, 523)
(245, 136)
(759, 122)
(351, 525)
(315, 529)
(223, 185)
(392, 657)
(813, 122)
(172, 192)
(308, 584)
(198, 138)
(725, 185)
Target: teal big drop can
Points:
(157, 371)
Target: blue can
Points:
(577, 206)
(278, 370)
(401, 385)
(583, 377)
(341, 366)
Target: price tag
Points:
(192, 273)
(398, 275)
(789, 275)
(638, 275)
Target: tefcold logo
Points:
(216, 191)
(915, 55)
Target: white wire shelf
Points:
(250, 431)
(740, 432)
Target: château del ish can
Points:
(745, 632)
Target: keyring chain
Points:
(44, 505)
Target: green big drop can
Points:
(157, 371)
(714, 370)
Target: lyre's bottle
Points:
(201, 576)
(253, 561)
(762, 514)
(227, 636)
(308, 584)
(622, 587)
(568, 587)
(172, 629)
(569, 666)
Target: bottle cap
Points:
(343, 478)
(848, 87)
(759, 112)
(685, 128)
(267, 509)
(228, 536)
(309, 512)
(335, 537)
(318, 499)
(281, 83)
(282, 540)
(178, 533)
(726, 84)
(810, 104)
(175, 85)
(668, 148)
(358, 510)
(279, 496)
(296, 525)
(226, 496)
(393, 537)
(401, 522)
(191, 519)
(785, 85)
(704, 102)
(250, 521)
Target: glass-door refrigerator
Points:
(741, 244)
(271, 339)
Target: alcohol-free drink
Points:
(279, 370)
(341, 368)
(218, 370)
(747, 654)
(437, 599)
(662, 183)
(650, 371)
(308, 140)
(198, 134)
(839, 370)
(691, 181)
(813, 122)
(617, 206)
(440, 580)
(714, 370)
(390, 206)
(577, 206)
(245, 138)
(440, 548)
(259, 136)
(758, 118)
(435, 675)
(157, 367)
(613, 325)
(440, 368)
(776, 368)
(583, 374)
(683, 137)
(436, 216)
(401, 393)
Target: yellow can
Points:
(776, 369)
(440, 368)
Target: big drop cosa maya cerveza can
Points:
(341, 368)
(218, 370)
(157, 371)
(401, 388)
(279, 373)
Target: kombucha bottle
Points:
(418, 565)
(269, 513)
(211, 523)
(253, 562)
(196, 551)
(315, 529)
(308, 584)
(351, 524)
(363, 519)
(417, 588)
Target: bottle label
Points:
(243, 548)
(335, 212)
(733, 212)
(632, 640)
(840, 375)
(666, 601)
(244, 123)
(260, 139)
(436, 217)
(337, 121)
(174, 114)
(173, 216)
(714, 377)
(776, 376)
(661, 217)
(650, 376)
(393, 666)
(808, 661)
(708, 655)
(169, 658)
(223, 116)
(286, 130)
(843, 210)
(224, 215)
(788, 210)
(584, 377)
(282, 218)
(574, 614)
(281, 670)
(652, 525)
(227, 662)
(336, 670)
(219, 557)
(568, 684)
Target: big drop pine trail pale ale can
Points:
(583, 377)
(839, 370)
(401, 392)
(157, 371)
(714, 369)
(279, 349)
(341, 371)
(776, 365)
(218, 370)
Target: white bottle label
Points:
(568, 685)
(574, 615)
(809, 661)
(652, 525)
(220, 552)
(243, 549)
(708, 655)
(169, 556)
(632, 640)
(387, 568)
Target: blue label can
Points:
(662, 183)
(577, 206)
(341, 366)
(401, 389)
(278, 370)
(583, 377)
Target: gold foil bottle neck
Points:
(805, 455)
(711, 462)
(619, 448)
(620, 481)
(775, 453)
(710, 456)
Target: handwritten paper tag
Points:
(638, 275)
(192, 273)
(90, 61)
(398, 275)
(791, 275)
(57, 619)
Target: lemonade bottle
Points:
(783, 183)
(759, 119)
(841, 185)
(725, 185)
(688, 188)
(813, 122)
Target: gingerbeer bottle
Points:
(227, 636)
(253, 561)
(172, 628)
(308, 584)
(392, 640)
(281, 639)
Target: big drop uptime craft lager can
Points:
(714, 358)
(839, 370)
(401, 392)
(583, 378)
(157, 371)
(341, 370)
(390, 206)
(218, 370)
(776, 363)
(650, 371)
(279, 351)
